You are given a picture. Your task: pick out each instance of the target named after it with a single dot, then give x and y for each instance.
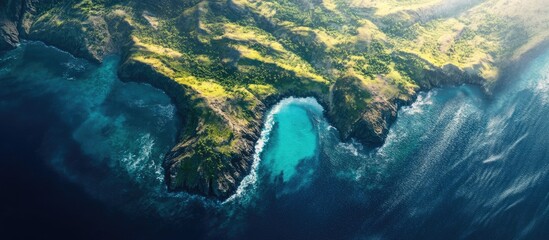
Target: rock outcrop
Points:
(10, 18)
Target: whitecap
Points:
(542, 89)
(349, 147)
(166, 111)
(505, 153)
(418, 106)
(139, 162)
(75, 66)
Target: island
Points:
(224, 63)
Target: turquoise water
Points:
(287, 151)
(294, 139)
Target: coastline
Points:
(144, 74)
(369, 125)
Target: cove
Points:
(288, 148)
(294, 137)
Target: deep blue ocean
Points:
(81, 154)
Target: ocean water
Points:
(80, 150)
(81, 154)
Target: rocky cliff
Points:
(10, 19)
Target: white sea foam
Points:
(74, 65)
(139, 103)
(139, 162)
(419, 104)
(505, 153)
(166, 111)
(249, 182)
(351, 147)
(542, 89)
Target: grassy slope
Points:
(232, 58)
